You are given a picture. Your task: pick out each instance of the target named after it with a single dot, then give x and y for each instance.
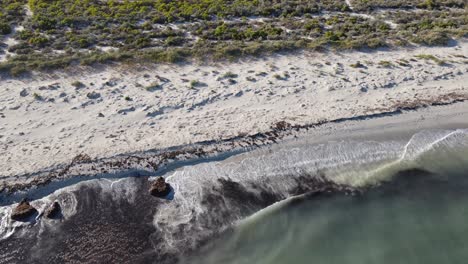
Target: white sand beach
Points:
(47, 119)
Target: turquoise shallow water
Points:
(420, 218)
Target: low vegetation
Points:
(386, 64)
(430, 57)
(196, 83)
(153, 86)
(56, 34)
(37, 97)
(363, 5)
(77, 84)
(358, 64)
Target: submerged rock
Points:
(53, 211)
(23, 211)
(160, 188)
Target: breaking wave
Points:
(109, 220)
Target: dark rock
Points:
(53, 211)
(100, 115)
(23, 211)
(126, 110)
(239, 94)
(111, 83)
(160, 188)
(24, 93)
(93, 95)
(51, 87)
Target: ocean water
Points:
(256, 207)
(418, 220)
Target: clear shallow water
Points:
(216, 215)
(419, 220)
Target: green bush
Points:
(432, 38)
(4, 28)
(39, 41)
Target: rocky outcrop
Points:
(160, 188)
(23, 211)
(53, 211)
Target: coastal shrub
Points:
(433, 38)
(39, 41)
(174, 41)
(153, 86)
(403, 62)
(386, 64)
(230, 75)
(358, 64)
(430, 57)
(18, 70)
(77, 84)
(37, 97)
(65, 32)
(4, 28)
(196, 83)
(176, 55)
(361, 5)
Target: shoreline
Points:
(212, 189)
(158, 162)
(115, 114)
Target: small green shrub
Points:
(358, 64)
(196, 83)
(77, 84)
(37, 97)
(5, 28)
(430, 57)
(386, 64)
(230, 75)
(153, 86)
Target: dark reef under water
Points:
(229, 212)
(418, 217)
